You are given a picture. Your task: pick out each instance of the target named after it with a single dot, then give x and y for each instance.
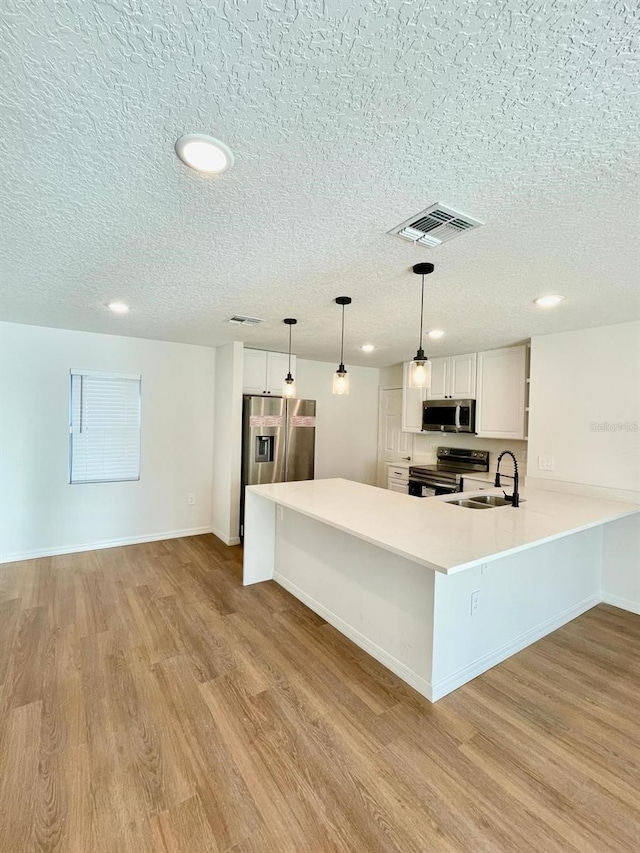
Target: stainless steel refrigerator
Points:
(278, 442)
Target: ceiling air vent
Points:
(241, 320)
(437, 224)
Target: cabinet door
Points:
(398, 486)
(277, 369)
(398, 473)
(471, 485)
(501, 393)
(412, 400)
(254, 372)
(462, 376)
(439, 379)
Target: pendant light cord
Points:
(289, 349)
(420, 356)
(342, 341)
(421, 312)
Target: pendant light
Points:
(420, 371)
(289, 386)
(341, 377)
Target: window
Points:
(104, 429)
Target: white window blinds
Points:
(104, 432)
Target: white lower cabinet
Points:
(501, 393)
(469, 484)
(412, 400)
(398, 478)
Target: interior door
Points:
(394, 445)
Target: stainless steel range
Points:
(445, 477)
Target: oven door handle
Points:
(432, 485)
(458, 417)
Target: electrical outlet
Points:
(546, 463)
(191, 498)
(475, 596)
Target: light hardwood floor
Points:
(151, 703)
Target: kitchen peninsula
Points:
(438, 593)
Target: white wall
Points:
(391, 377)
(40, 512)
(579, 379)
(521, 597)
(621, 563)
(346, 427)
(227, 448)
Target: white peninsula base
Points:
(420, 623)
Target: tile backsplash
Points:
(424, 448)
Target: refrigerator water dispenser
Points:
(264, 451)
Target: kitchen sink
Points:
(470, 504)
(491, 500)
(481, 502)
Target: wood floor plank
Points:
(238, 722)
(19, 753)
(230, 809)
(24, 678)
(185, 828)
(149, 703)
(10, 613)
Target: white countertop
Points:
(445, 538)
(486, 477)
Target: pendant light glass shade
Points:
(420, 371)
(341, 377)
(341, 381)
(289, 386)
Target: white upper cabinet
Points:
(462, 382)
(264, 372)
(439, 379)
(500, 409)
(254, 371)
(277, 369)
(453, 377)
(412, 400)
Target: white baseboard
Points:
(622, 603)
(397, 667)
(233, 540)
(477, 667)
(96, 546)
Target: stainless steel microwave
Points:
(449, 416)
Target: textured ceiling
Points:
(345, 119)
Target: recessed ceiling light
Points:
(118, 307)
(548, 301)
(435, 333)
(204, 153)
(367, 347)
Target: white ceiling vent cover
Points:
(437, 224)
(241, 320)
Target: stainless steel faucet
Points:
(515, 497)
